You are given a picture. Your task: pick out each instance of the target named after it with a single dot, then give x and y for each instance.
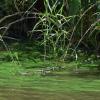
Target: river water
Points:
(29, 94)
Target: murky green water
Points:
(27, 94)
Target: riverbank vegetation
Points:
(50, 45)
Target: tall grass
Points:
(60, 30)
(53, 26)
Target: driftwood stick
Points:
(16, 16)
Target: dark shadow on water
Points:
(84, 75)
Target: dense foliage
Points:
(59, 27)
